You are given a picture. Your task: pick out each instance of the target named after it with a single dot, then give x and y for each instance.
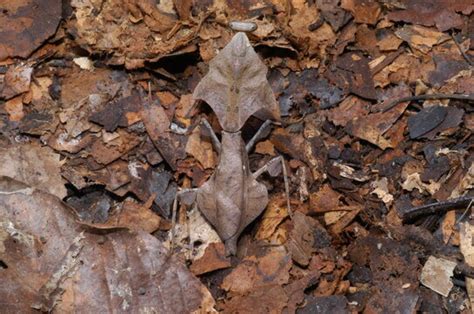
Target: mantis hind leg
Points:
(271, 168)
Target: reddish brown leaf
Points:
(53, 263)
(364, 11)
(442, 13)
(17, 81)
(267, 299)
(213, 259)
(255, 272)
(26, 24)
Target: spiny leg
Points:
(174, 211)
(267, 167)
(214, 139)
(261, 131)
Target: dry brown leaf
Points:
(447, 225)
(380, 188)
(17, 81)
(265, 148)
(364, 11)
(445, 14)
(133, 216)
(300, 243)
(105, 153)
(324, 200)
(14, 108)
(467, 250)
(344, 220)
(39, 166)
(127, 35)
(311, 42)
(53, 263)
(201, 149)
(26, 24)
(157, 123)
(213, 259)
(185, 104)
(195, 235)
(273, 216)
(256, 272)
(421, 38)
(267, 299)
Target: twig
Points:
(469, 97)
(388, 60)
(435, 208)
(463, 53)
(288, 123)
(465, 212)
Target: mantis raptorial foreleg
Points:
(259, 135)
(269, 167)
(214, 139)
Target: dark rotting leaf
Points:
(426, 120)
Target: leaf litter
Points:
(96, 110)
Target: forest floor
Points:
(99, 130)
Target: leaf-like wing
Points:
(236, 86)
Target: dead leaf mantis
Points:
(236, 87)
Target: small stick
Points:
(463, 53)
(465, 212)
(435, 208)
(388, 60)
(468, 97)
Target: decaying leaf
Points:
(157, 124)
(301, 240)
(17, 81)
(268, 299)
(257, 272)
(420, 37)
(272, 217)
(129, 31)
(196, 235)
(26, 24)
(364, 11)
(213, 259)
(200, 149)
(53, 263)
(467, 249)
(39, 166)
(442, 13)
(437, 273)
(236, 86)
